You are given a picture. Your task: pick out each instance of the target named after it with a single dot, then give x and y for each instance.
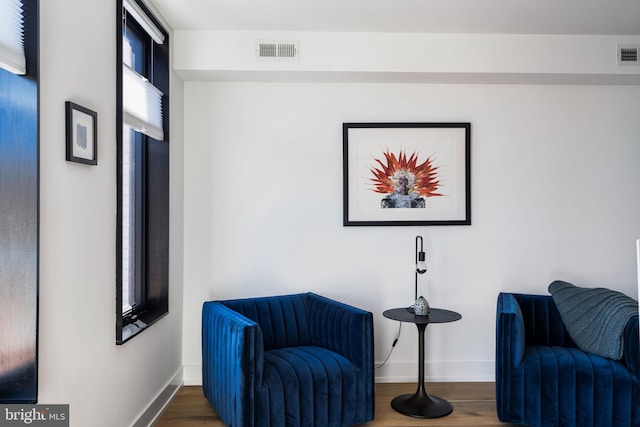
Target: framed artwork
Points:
(406, 173)
(82, 134)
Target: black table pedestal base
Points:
(421, 405)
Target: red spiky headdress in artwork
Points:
(422, 178)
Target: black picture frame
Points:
(82, 134)
(406, 174)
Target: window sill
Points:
(142, 323)
(133, 329)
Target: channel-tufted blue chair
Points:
(543, 379)
(293, 360)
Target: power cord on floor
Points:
(395, 341)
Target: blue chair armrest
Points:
(347, 331)
(232, 362)
(510, 331)
(341, 328)
(510, 344)
(631, 349)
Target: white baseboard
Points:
(437, 371)
(153, 411)
(192, 374)
(404, 372)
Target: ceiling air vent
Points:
(628, 54)
(277, 50)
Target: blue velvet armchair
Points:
(293, 360)
(543, 379)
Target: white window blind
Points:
(142, 104)
(142, 100)
(12, 37)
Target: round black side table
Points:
(421, 404)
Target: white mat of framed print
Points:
(407, 173)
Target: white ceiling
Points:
(597, 17)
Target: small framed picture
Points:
(82, 134)
(407, 174)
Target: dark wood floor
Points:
(473, 404)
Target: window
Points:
(142, 285)
(19, 193)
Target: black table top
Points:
(436, 315)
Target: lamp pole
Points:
(421, 265)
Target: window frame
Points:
(151, 248)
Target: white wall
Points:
(79, 362)
(554, 196)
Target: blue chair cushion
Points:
(310, 384)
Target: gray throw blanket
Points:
(594, 317)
